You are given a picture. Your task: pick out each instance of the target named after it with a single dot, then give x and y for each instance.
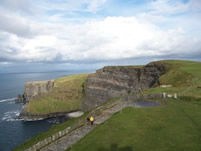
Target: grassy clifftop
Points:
(64, 97)
(184, 76)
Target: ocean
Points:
(12, 130)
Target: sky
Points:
(56, 35)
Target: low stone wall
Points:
(49, 140)
(142, 97)
(54, 137)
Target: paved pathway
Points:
(67, 141)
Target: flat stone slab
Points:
(75, 114)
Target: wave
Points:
(11, 116)
(7, 100)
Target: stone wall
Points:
(114, 81)
(54, 137)
(49, 140)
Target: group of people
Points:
(91, 120)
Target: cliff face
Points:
(110, 82)
(35, 88)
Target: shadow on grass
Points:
(114, 147)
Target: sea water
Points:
(12, 130)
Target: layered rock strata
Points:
(115, 81)
(35, 88)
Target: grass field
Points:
(172, 127)
(66, 96)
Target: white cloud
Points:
(18, 6)
(168, 7)
(195, 5)
(14, 24)
(32, 39)
(107, 39)
(95, 5)
(91, 6)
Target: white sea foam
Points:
(11, 102)
(11, 116)
(7, 100)
(54, 120)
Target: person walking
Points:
(92, 120)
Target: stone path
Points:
(67, 141)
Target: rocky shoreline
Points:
(29, 117)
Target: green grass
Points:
(66, 96)
(172, 127)
(184, 76)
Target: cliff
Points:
(115, 81)
(36, 88)
(52, 98)
(87, 91)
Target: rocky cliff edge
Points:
(115, 81)
(35, 88)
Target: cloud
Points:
(54, 38)
(18, 6)
(95, 5)
(111, 38)
(169, 7)
(91, 6)
(195, 5)
(15, 25)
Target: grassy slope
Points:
(175, 126)
(185, 76)
(66, 96)
(172, 127)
